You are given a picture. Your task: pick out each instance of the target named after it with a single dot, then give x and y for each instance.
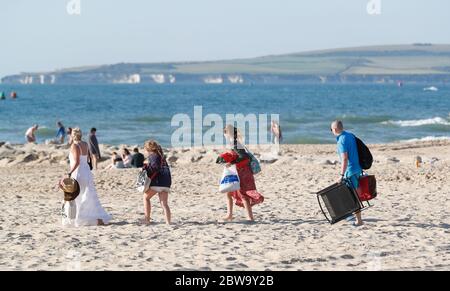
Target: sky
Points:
(42, 35)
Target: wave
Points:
(419, 122)
(428, 138)
(364, 119)
(46, 132)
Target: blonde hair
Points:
(229, 131)
(76, 134)
(153, 146)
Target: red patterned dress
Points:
(247, 180)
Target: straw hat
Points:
(71, 189)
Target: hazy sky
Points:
(41, 35)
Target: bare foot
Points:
(226, 219)
(145, 221)
(360, 223)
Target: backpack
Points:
(365, 156)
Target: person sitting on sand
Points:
(60, 133)
(247, 196)
(116, 162)
(29, 135)
(348, 152)
(126, 157)
(159, 171)
(138, 159)
(94, 149)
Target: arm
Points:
(242, 155)
(76, 154)
(154, 164)
(344, 166)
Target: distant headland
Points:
(416, 63)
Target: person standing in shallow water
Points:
(348, 152)
(60, 133)
(247, 196)
(30, 134)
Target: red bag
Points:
(367, 189)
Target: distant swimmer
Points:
(14, 95)
(2, 96)
(29, 135)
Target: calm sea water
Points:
(131, 114)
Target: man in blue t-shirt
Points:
(348, 153)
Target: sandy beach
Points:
(407, 229)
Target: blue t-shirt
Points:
(346, 143)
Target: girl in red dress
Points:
(247, 196)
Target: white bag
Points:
(230, 180)
(69, 212)
(143, 182)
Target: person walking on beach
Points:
(138, 159)
(94, 149)
(159, 171)
(89, 210)
(276, 132)
(29, 134)
(60, 133)
(348, 152)
(247, 196)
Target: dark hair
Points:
(93, 130)
(136, 150)
(127, 152)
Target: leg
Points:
(94, 161)
(229, 216)
(359, 221)
(248, 208)
(164, 200)
(147, 206)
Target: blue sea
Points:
(131, 114)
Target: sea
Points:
(132, 114)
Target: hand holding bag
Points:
(230, 180)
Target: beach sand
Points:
(407, 229)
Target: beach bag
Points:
(367, 189)
(365, 156)
(255, 166)
(230, 180)
(143, 181)
(69, 210)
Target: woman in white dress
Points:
(89, 210)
